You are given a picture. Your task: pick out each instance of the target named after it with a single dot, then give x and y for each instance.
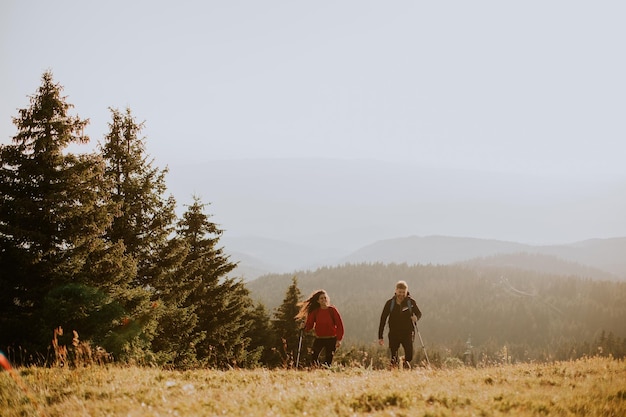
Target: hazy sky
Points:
(529, 86)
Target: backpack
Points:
(408, 303)
(332, 315)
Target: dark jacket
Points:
(400, 323)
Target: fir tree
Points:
(144, 223)
(263, 341)
(285, 324)
(146, 217)
(221, 303)
(52, 217)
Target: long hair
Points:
(309, 304)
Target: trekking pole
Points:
(422, 342)
(299, 347)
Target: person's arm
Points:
(416, 311)
(338, 324)
(383, 320)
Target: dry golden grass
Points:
(589, 387)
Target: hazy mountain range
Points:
(281, 215)
(595, 258)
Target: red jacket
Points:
(326, 321)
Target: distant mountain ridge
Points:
(320, 211)
(608, 255)
(594, 258)
(432, 250)
(346, 204)
(545, 264)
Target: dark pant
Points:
(328, 345)
(407, 343)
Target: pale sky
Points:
(534, 87)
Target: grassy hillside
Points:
(590, 387)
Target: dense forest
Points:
(96, 264)
(536, 316)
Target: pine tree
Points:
(221, 303)
(285, 324)
(52, 217)
(176, 336)
(263, 341)
(146, 218)
(144, 223)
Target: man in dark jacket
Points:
(403, 313)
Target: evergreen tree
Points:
(286, 326)
(226, 336)
(221, 303)
(52, 217)
(263, 341)
(176, 336)
(146, 217)
(143, 224)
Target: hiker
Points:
(403, 315)
(325, 320)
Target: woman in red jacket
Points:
(325, 320)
